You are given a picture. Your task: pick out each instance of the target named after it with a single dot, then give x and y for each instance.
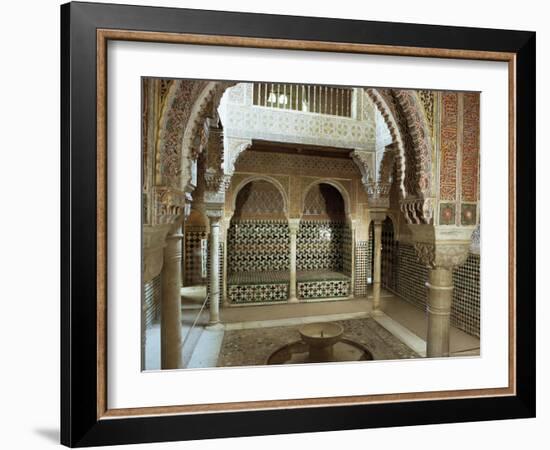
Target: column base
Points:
(215, 326)
(293, 300)
(376, 312)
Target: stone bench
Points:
(273, 286)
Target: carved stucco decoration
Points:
(248, 121)
(189, 102)
(204, 109)
(168, 204)
(186, 106)
(446, 256)
(377, 188)
(427, 98)
(418, 130)
(419, 207)
(212, 145)
(418, 210)
(413, 155)
(233, 147)
(177, 110)
(386, 112)
(441, 246)
(364, 160)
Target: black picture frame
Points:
(80, 425)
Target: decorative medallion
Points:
(447, 214)
(468, 216)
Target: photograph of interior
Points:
(296, 223)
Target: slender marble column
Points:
(214, 275)
(293, 225)
(225, 230)
(353, 227)
(170, 324)
(440, 297)
(377, 266)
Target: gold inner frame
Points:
(103, 36)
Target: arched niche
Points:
(258, 233)
(324, 241)
(259, 197)
(329, 195)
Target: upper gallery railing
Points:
(335, 101)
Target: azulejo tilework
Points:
(193, 255)
(466, 296)
(324, 289)
(362, 267)
(320, 245)
(409, 278)
(258, 245)
(151, 303)
(347, 248)
(258, 293)
(220, 274)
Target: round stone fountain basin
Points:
(321, 334)
(298, 352)
(321, 342)
(321, 337)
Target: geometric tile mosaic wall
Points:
(323, 289)
(192, 255)
(258, 260)
(362, 267)
(320, 245)
(220, 273)
(409, 278)
(389, 246)
(465, 311)
(151, 301)
(257, 293)
(258, 245)
(346, 251)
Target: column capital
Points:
(293, 225)
(441, 246)
(378, 215)
(214, 215)
(445, 256)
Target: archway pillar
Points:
(214, 217)
(293, 225)
(225, 224)
(377, 217)
(441, 249)
(170, 323)
(353, 228)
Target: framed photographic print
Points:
(277, 224)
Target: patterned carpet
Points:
(253, 347)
